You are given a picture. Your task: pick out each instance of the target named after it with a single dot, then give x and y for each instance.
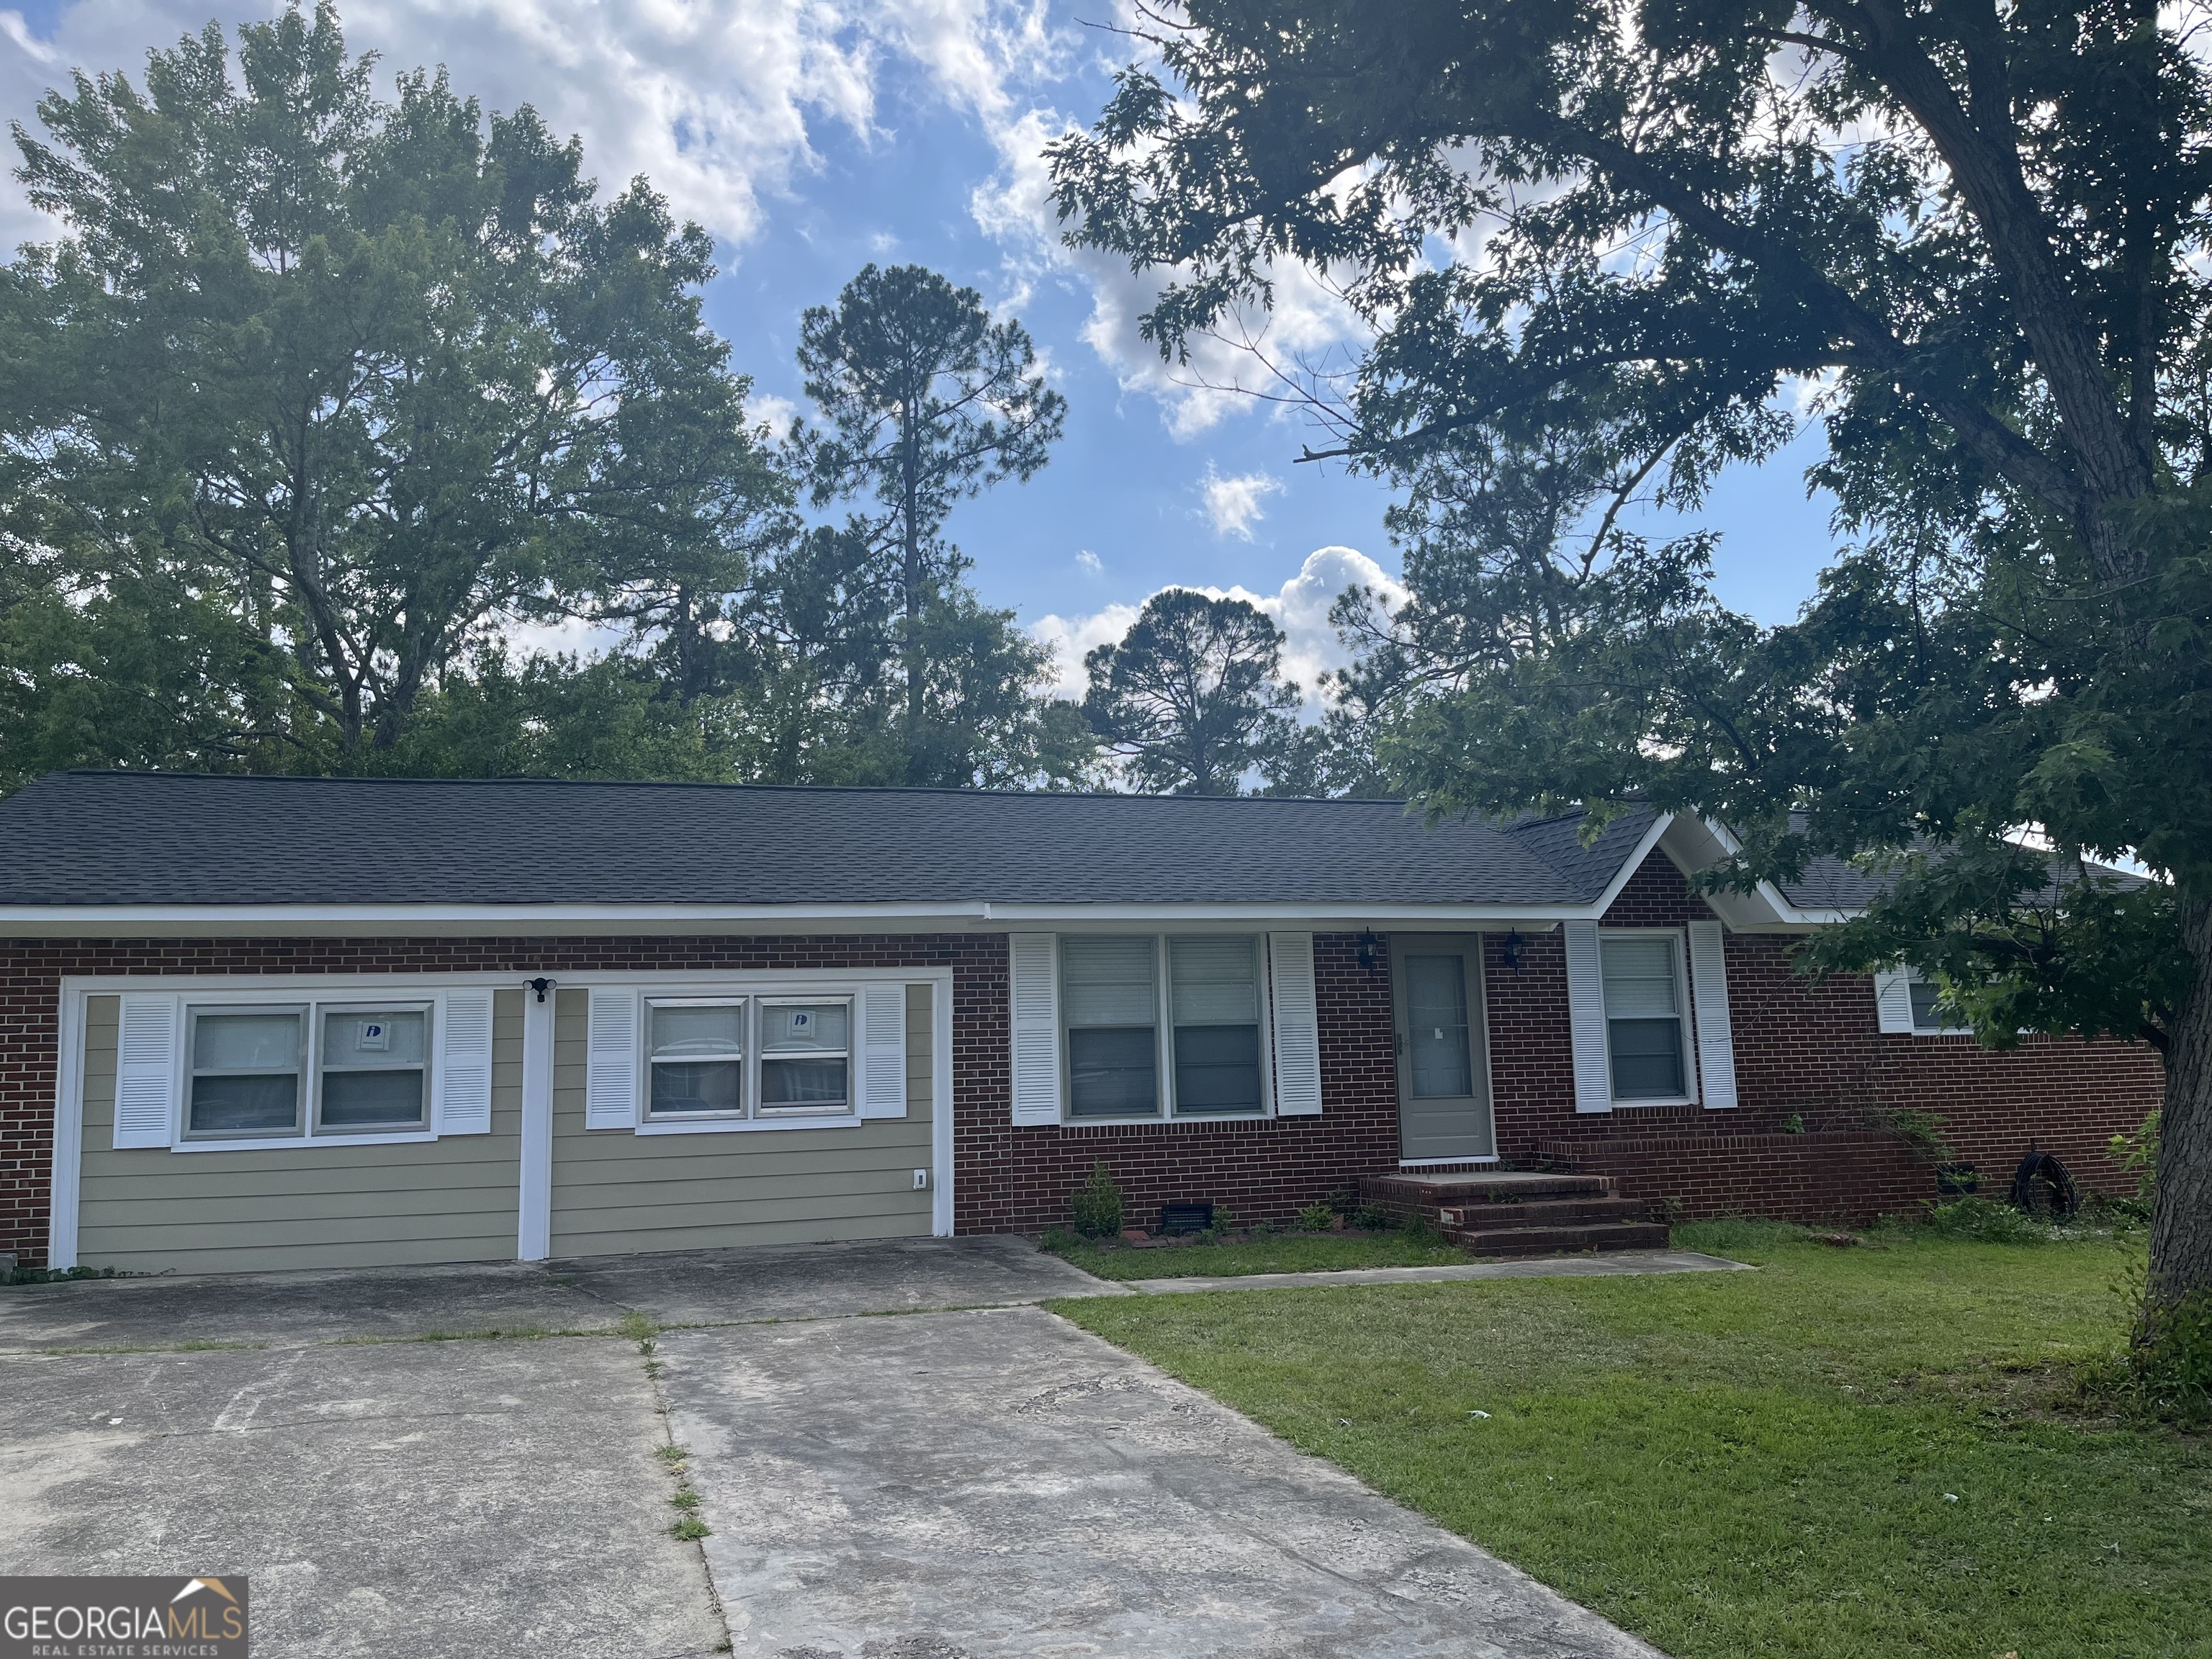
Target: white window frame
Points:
(427, 1007)
(762, 1111)
(756, 992)
(1164, 1034)
(1683, 1016)
(744, 1004)
(312, 1002)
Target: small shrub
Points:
(2171, 1357)
(1097, 1204)
(1986, 1222)
(1923, 1132)
(1794, 1124)
(1317, 1217)
(2137, 1154)
(1375, 1218)
(1420, 1230)
(1343, 1202)
(1059, 1241)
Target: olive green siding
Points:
(616, 1192)
(146, 1210)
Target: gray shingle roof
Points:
(101, 838)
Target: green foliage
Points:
(1317, 1217)
(1096, 1206)
(2137, 1154)
(1375, 1218)
(2170, 1372)
(1985, 1221)
(1193, 697)
(2004, 682)
(317, 389)
(1925, 1133)
(925, 400)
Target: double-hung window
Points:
(1932, 1015)
(695, 1057)
(1214, 997)
(306, 1069)
(1647, 1036)
(806, 1056)
(1110, 991)
(1157, 1025)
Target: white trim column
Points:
(534, 1230)
(68, 1130)
(940, 1105)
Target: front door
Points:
(1443, 1051)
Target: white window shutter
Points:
(146, 1088)
(1033, 968)
(1893, 1000)
(1586, 1018)
(883, 1064)
(1298, 1025)
(1709, 995)
(464, 1079)
(612, 1060)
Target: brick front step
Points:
(1409, 1193)
(1553, 1240)
(1542, 1212)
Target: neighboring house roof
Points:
(105, 839)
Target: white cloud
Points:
(1232, 504)
(712, 99)
(1300, 608)
(1089, 563)
(778, 413)
(1308, 320)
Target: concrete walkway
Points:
(1542, 1267)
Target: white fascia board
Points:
(572, 920)
(1695, 843)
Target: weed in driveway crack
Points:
(687, 1526)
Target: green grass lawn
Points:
(1280, 1253)
(1851, 1454)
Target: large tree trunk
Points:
(2181, 1223)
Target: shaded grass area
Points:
(1853, 1454)
(1276, 1253)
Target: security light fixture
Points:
(1510, 954)
(1368, 943)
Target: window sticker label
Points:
(374, 1034)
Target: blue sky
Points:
(812, 138)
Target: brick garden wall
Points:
(1806, 1052)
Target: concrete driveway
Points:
(977, 1479)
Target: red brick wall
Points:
(1021, 1179)
(1810, 1051)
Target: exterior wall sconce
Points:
(540, 986)
(1368, 943)
(1509, 952)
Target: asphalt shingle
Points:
(103, 838)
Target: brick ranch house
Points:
(258, 1023)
